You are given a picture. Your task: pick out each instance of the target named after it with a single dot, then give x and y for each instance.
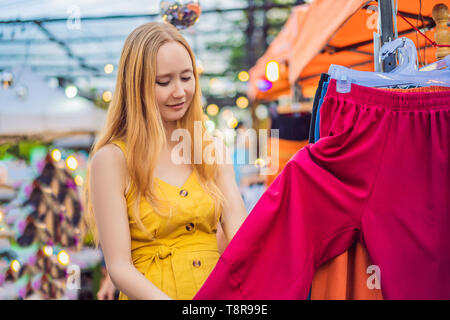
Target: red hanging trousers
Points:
(380, 174)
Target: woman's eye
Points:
(186, 78)
(162, 83)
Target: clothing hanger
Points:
(406, 73)
(444, 63)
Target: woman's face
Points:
(175, 82)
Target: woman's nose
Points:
(178, 91)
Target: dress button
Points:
(183, 193)
(190, 226)
(196, 263)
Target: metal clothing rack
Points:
(387, 31)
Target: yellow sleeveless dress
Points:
(184, 250)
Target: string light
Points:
(15, 265)
(63, 258)
(272, 71)
(243, 76)
(71, 91)
(56, 155)
(232, 123)
(260, 162)
(48, 250)
(242, 102)
(107, 96)
(79, 180)
(212, 109)
(71, 163)
(109, 68)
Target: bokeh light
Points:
(72, 163)
(107, 96)
(243, 76)
(15, 265)
(210, 125)
(56, 155)
(242, 102)
(232, 123)
(264, 85)
(79, 180)
(260, 162)
(48, 250)
(272, 71)
(212, 109)
(227, 114)
(261, 112)
(63, 258)
(109, 68)
(71, 91)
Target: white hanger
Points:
(406, 73)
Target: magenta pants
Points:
(380, 174)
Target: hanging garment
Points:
(317, 125)
(292, 136)
(316, 114)
(379, 175)
(292, 126)
(323, 77)
(344, 277)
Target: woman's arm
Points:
(233, 213)
(108, 182)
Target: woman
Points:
(156, 219)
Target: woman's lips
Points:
(176, 106)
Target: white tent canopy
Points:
(44, 113)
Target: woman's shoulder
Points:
(120, 144)
(110, 155)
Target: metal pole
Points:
(250, 34)
(387, 32)
(266, 25)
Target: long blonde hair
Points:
(133, 117)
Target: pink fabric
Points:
(379, 175)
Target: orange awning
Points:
(337, 32)
(315, 50)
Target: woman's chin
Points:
(173, 115)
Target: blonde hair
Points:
(133, 117)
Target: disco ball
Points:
(7, 79)
(180, 13)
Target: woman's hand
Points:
(107, 289)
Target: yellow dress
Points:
(184, 250)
